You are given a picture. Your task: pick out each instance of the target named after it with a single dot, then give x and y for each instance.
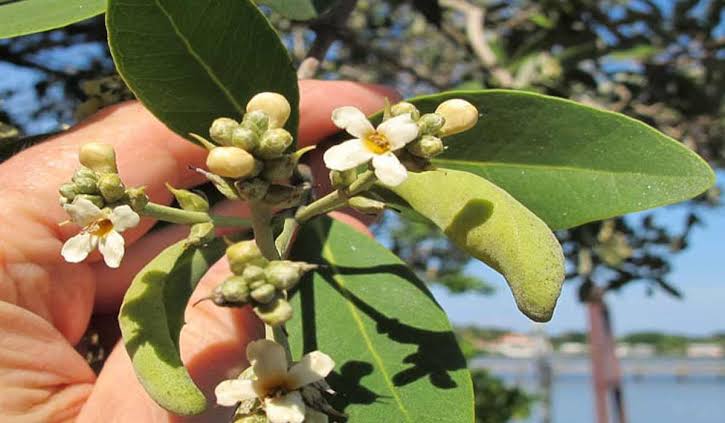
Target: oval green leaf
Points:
(488, 223)
(299, 10)
(397, 359)
(568, 163)
(151, 318)
(190, 62)
(31, 16)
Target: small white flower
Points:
(276, 384)
(373, 144)
(100, 229)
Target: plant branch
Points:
(187, 217)
(262, 227)
(336, 198)
(326, 30)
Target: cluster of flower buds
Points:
(259, 282)
(252, 155)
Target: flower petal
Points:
(389, 170)
(348, 155)
(313, 367)
(123, 217)
(399, 130)
(112, 248)
(77, 248)
(314, 416)
(268, 360)
(82, 212)
(285, 409)
(353, 121)
(230, 392)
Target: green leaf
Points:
(190, 62)
(151, 318)
(568, 163)
(397, 359)
(31, 16)
(300, 10)
(486, 222)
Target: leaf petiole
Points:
(187, 217)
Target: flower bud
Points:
(279, 169)
(200, 233)
(459, 114)
(284, 274)
(253, 273)
(85, 185)
(245, 253)
(68, 191)
(274, 143)
(342, 179)
(111, 187)
(430, 123)
(232, 292)
(426, 147)
(137, 198)
(366, 205)
(189, 200)
(257, 121)
(273, 105)
(97, 200)
(221, 130)
(230, 162)
(244, 138)
(264, 293)
(256, 284)
(404, 107)
(253, 189)
(274, 313)
(84, 173)
(98, 157)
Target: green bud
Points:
(189, 200)
(243, 254)
(253, 273)
(256, 284)
(279, 169)
(274, 143)
(285, 196)
(97, 200)
(235, 290)
(68, 191)
(257, 121)
(111, 187)
(284, 274)
(342, 179)
(137, 198)
(426, 147)
(253, 189)
(85, 185)
(274, 105)
(404, 107)
(366, 205)
(264, 293)
(258, 417)
(221, 130)
(430, 123)
(244, 138)
(98, 157)
(276, 312)
(200, 233)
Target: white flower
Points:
(100, 229)
(275, 384)
(371, 143)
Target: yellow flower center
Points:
(100, 228)
(377, 143)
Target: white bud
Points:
(459, 114)
(274, 105)
(98, 157)
(230, 162)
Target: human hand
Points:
(46, 304)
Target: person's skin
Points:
(46, 303)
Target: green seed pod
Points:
(253, 189)
(189, 200)
(111, 187)
(404, 107)
(68, 191)
(257, 121)
(137, 198)
(431, 123)
(366, 205)
(230, 162)
(200, 233)
(253, 273)
(97, 200)
(274, 143)
(285, 196)
(221, 130)
(264, 293)
(426, 147)
(98, 157)
(342, 179)
(244, 138)
(279, 169)
(243, 254)
(276, 312)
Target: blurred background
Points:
(639, 333)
